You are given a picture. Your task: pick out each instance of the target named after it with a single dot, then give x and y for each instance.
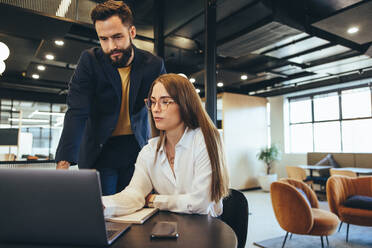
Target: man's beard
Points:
(125, 56)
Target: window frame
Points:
(340, 117)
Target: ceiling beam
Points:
(172, 32)
(229, 17)
(321, 83)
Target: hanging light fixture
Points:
(4, 51)
(2, 67)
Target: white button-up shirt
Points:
(188, 190)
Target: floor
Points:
(262, 223)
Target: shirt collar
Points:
(185, 140)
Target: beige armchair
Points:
(295, 172)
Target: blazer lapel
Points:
(112, 74)
(135, 78)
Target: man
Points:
(106, 122)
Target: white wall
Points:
(245, 132)
(278, 132)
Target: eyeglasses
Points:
(163, 102)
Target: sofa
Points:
(362, 160)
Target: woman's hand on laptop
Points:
(63, 165)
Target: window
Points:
(338, 121)
(357, 135)
(326, 107)
(268, 112)
(327, 136)
(356, 103)
(301, 138)
(300, 110)
(40, 123)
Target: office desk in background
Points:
(195, 231)
(311, 168)
(359, 171)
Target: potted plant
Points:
(268, 155)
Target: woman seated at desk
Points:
(184, 164)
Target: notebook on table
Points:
(138, 217)
(57, 207)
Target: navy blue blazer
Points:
(94, 100)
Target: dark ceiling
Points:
(281, 46)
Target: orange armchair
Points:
(339, 188)
(290, 206)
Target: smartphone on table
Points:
(165, 229)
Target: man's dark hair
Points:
(105, 10)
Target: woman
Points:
(184, 164)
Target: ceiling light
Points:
(41, 68)
(183, 75)
(63, 8)
(243, 77)
(49, 56)
(2, 67)
(192, 80)
(35, 76)
(29, 120)
(197, 91)
(37, 112)
(4, 51)
(353, 30)
(219, 84)
(59, 42)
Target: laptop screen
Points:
(51, 207)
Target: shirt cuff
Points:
(161, 202)
(109, 205)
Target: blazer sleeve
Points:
(79, 102)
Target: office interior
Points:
(294, 73)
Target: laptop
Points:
(57, 207)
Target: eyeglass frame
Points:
(163, 106)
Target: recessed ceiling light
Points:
(49, 56)
(243, 77)
(35, 76)
(41, 68)
(2, 67)
(219, 84)
(353, 30)
(183, 75)
(197, 91)
(59, 42)
(192, 80)
(4, 51)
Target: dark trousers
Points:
(116, 163)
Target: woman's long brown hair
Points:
(194, 115)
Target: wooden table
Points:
(357, 170)
(194, 231)
(311, 168)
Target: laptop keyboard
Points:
(110, 233)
